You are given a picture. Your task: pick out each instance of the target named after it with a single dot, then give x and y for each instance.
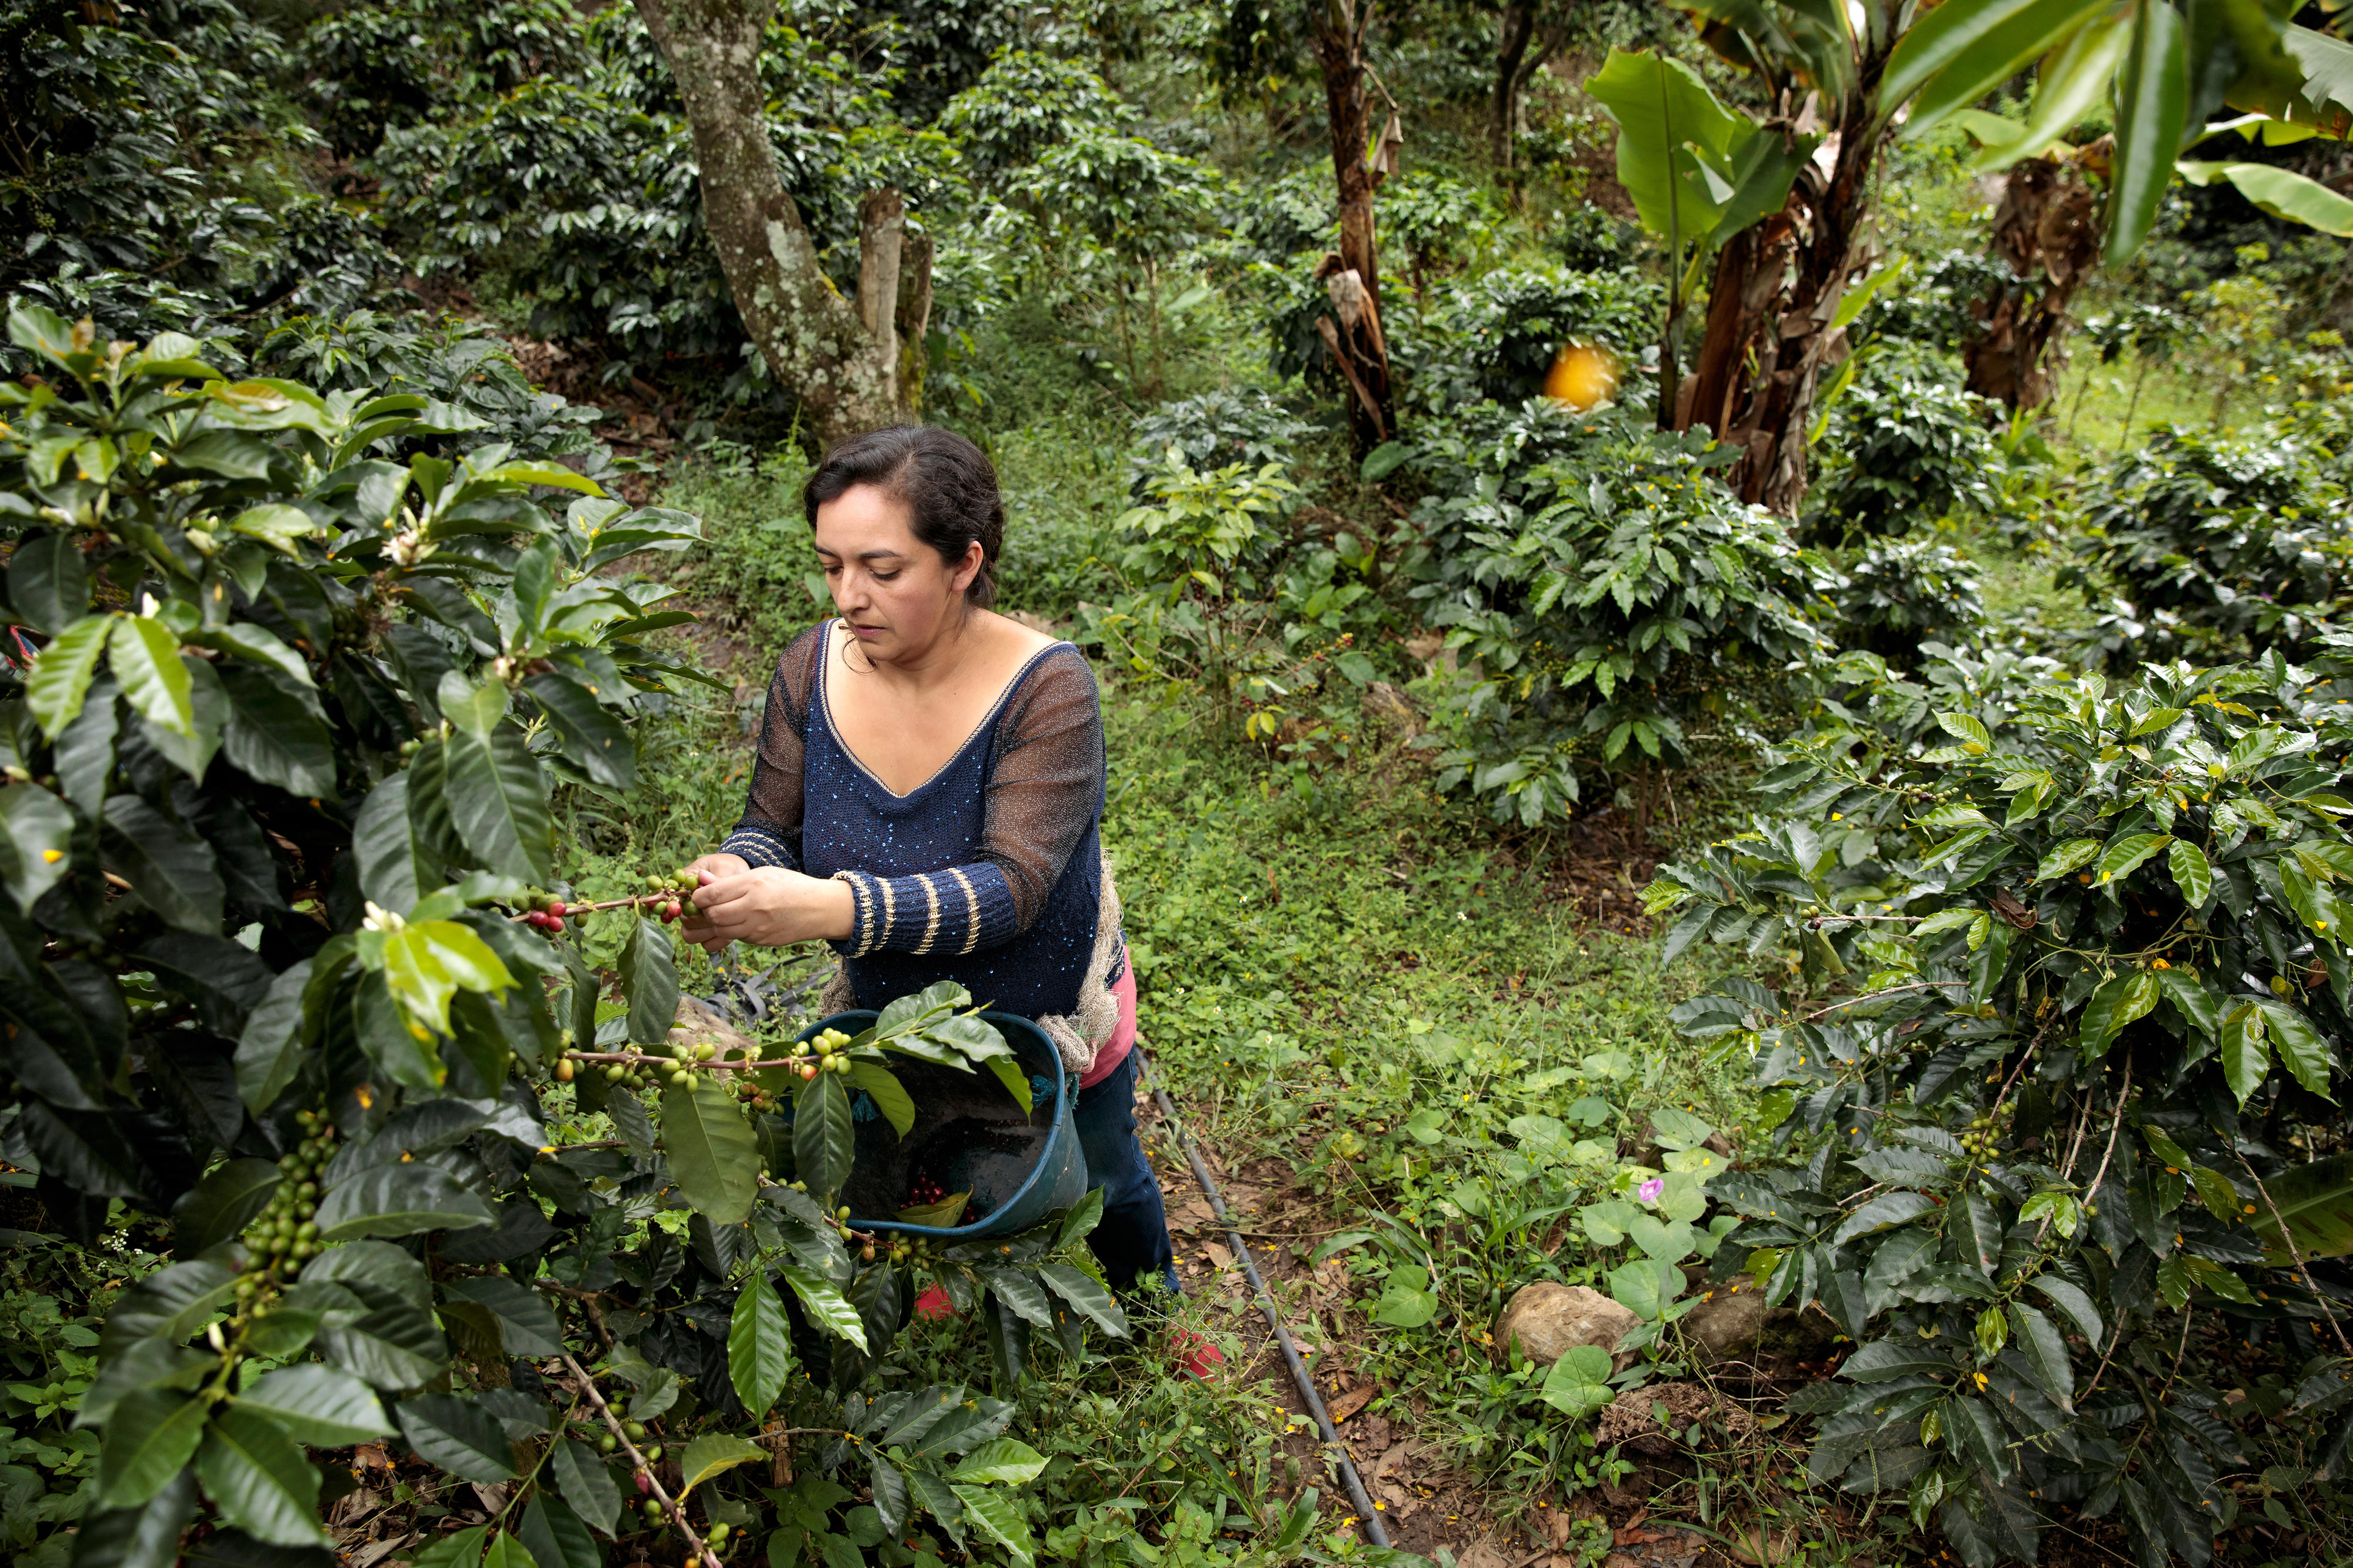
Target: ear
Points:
(975, 557)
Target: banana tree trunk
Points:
(1774, 296)
(840, 358)
(2046, 230)
(1353, 277)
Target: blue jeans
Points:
(1132, 1243)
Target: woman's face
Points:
(894, 592)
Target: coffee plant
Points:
(1905, 446)
(2055, 1079)
(1899, 593)
(281, 962)
(1610, 590)
(2221, 546)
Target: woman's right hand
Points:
(708, 869)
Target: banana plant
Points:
(2164, 67)
(1860, 71)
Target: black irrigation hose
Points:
(1300, 1375)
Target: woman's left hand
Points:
(769, 907)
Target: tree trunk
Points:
(1774, 292)
(1517, 26)
(1337, 28)
(840, 359)
(2044, 230)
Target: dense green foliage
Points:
(2083, 1076)
(315, 668)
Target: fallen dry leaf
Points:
(1348, 1404)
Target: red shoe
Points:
(932, 1304)
(1195, 1355)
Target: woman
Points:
(929, 799)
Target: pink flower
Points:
(1649, 1191)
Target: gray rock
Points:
(1729, 1319)
(1547, 1319)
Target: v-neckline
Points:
(825, 707)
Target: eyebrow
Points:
(867, 554)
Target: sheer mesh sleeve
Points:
(769, 833)
(1043, 795)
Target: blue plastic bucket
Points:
(969, 1135)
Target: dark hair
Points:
(947, 482)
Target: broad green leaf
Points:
(2216, 1193)
(1085, 1294)
(2283, 193)
(384, 847)
(398, 1200)
(318, 1405)
(144, 655)
(2125, 855)
(508, 1552)
(459, 1436)
(829, 1307)
(429, 962)
(889, 1095)
(48, 584)
(272, 735)
(2152, 108)
(35, 842)
(823, 1133)
(60, 677)
(174, 872)
(1884, 1212)
(1019, 1291)
(527, 1326)
(461, 1549)
(223, 1204)
(1004, 1459)
(2246, 1061)
(498, 800)
(554, 1535)
(2192, 877)
(1673, 135)
(1085, 1216)
(269, 1052)
(2045, 1351)
(170, 1304)
(1990, 42)
(2121, 999)
(713, 1454)
(143, 1536)
(997, 1517)
(2074, 1303)
(2068, 856)
(588, 1484)
(649, 981)
(260, 1481)
(713, 1154)
(759, 1345)
(1646, 1286)
(153, 1435)
(1406, 1301)
(594, 737)
(2299, 1045)
(277, 525)
(2316, 1201)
